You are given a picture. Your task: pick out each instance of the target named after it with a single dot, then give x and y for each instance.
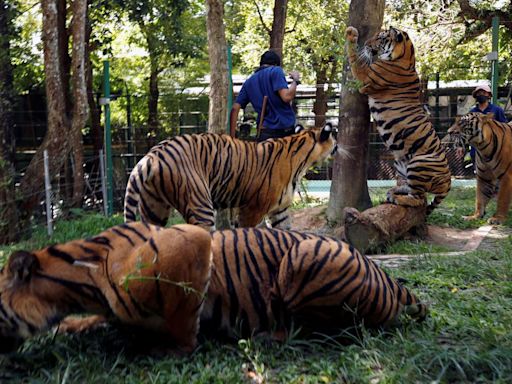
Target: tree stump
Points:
(382, 225)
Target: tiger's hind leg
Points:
(484, 191)
(406, 196)
(504, 198)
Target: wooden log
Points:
(382, 225)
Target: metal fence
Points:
(185, 111)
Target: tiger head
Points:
(323, 141)
(14, 288)
(389, 45)
(28, 297)
(467, 129)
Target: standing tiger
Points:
(393, 90)
(198, 174)
(166, 280)
(493, 143)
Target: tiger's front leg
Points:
(280, 219)
(484, 192)
(358, 66)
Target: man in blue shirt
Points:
(269, 80)
(482, 95)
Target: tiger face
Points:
(14, 327)
(467, 129)
(388, 45)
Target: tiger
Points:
(200, 173)
(266, 279)
(244, 281)
(393, 88)
(143, 276)
(493, 143)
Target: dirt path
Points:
(458, 241)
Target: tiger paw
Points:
(470, 218)
(351, 34)
(496, 220)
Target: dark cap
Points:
(270, 58)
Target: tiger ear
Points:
(396, 34)
(21, 265)
(298, 128)
(326, 132)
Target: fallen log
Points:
(376, 227)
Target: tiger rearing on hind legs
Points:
(393, 88)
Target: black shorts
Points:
(275, 133)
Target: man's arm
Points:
(233, 117)
(288, 94)
(500, 116)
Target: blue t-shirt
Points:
(499, 114)
(268, 81)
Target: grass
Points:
(466, 338)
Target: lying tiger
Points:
(165, 280)
(198, 174)
(493, 143)
(392, 84)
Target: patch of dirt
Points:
(486, 237)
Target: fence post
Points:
(103, 183)
(48, 192)
(494, 65)
(108, 138)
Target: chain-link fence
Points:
(186, 111)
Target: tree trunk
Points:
(321, 96)
(278, 25)
(64, 58)
(349, 186)
(56, 138)
(219, 81)
(8, 210)
(80, 106)
(153, 93)
(382, 225)
(95, 112)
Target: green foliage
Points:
(436, 27)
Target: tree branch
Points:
(478, 21)
(261, 18)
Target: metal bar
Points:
(108, 138)
(103, 182)
(494, 63)
(48, 193)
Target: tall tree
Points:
(278, 26)
(57, 134)
(80, 103)
(349, 186)
(8, 209)
(217, 53)
(161, 24)
(59, 138)
(219, 80)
